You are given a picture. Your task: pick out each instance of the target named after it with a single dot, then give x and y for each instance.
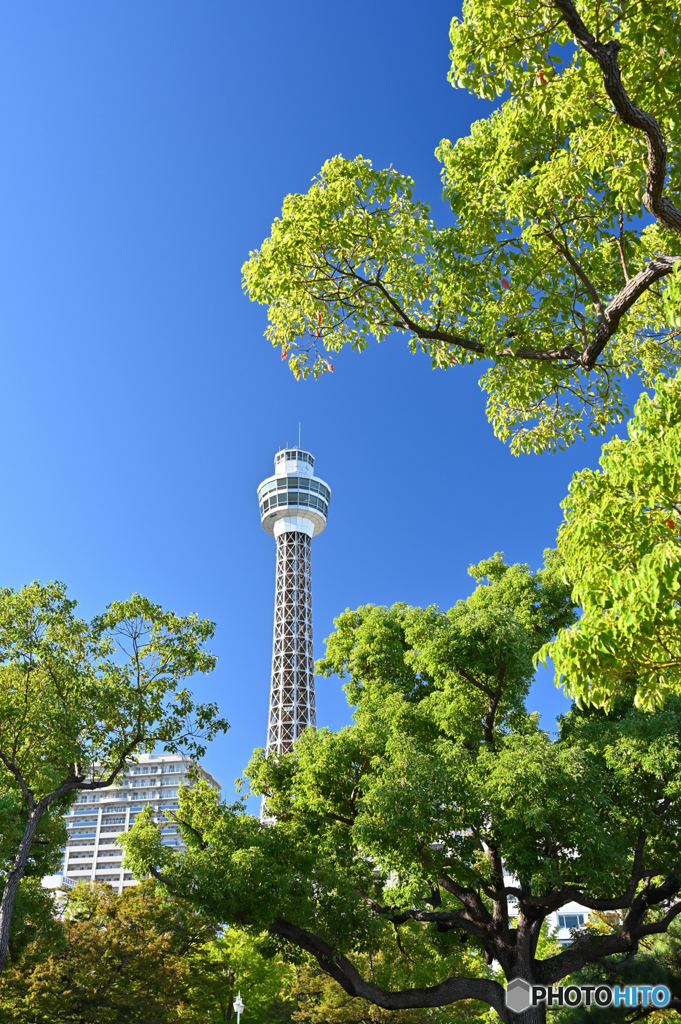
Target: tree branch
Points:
(622, 303)
(606, 56)
(348, 977)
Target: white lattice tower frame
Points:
(292, 704)
(294, 506)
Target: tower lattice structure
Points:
(294, 505)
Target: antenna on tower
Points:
(299, 433)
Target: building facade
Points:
(96, 820)
(294, 505)
(562, 922)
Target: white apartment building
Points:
(96, 820)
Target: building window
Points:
(571, 920)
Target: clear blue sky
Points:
(146, 147)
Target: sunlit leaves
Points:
(335, 256)
(76, 696)
(621, 541)
(547, 197)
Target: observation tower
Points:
(294, 504)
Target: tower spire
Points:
(294, 505)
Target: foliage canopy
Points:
(443, 809)
(621, 546)
(139, 944)
(79, 699)
(566, 219)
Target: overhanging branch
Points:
(606, 55)
(351, 981)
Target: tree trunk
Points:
(535, 1015)
(14, 876)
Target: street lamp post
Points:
(239, 1007)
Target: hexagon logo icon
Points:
(518, 995)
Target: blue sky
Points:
(146, 149)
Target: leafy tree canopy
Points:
(566, 221)
(621, 545)
(79, 699)
(141, 958)
(443, 806)
(119, 959)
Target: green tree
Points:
(549, 276)
(444, 816)
(79, 699)
(122, 959)
(621, 545)
(141, 957)
(33, 911)
(238, 961)
(657, 962)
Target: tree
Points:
(621, 545)
(444, 815)
(567, 218)
(33, 909)
(238, 961)
(657, 961)
(78, 700)
(141, 957)
(122, 959)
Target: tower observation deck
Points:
(294, 504)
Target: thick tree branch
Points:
(605, 54)
(487, 690)
(348, 977)
(622, 303)
(404, 321)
